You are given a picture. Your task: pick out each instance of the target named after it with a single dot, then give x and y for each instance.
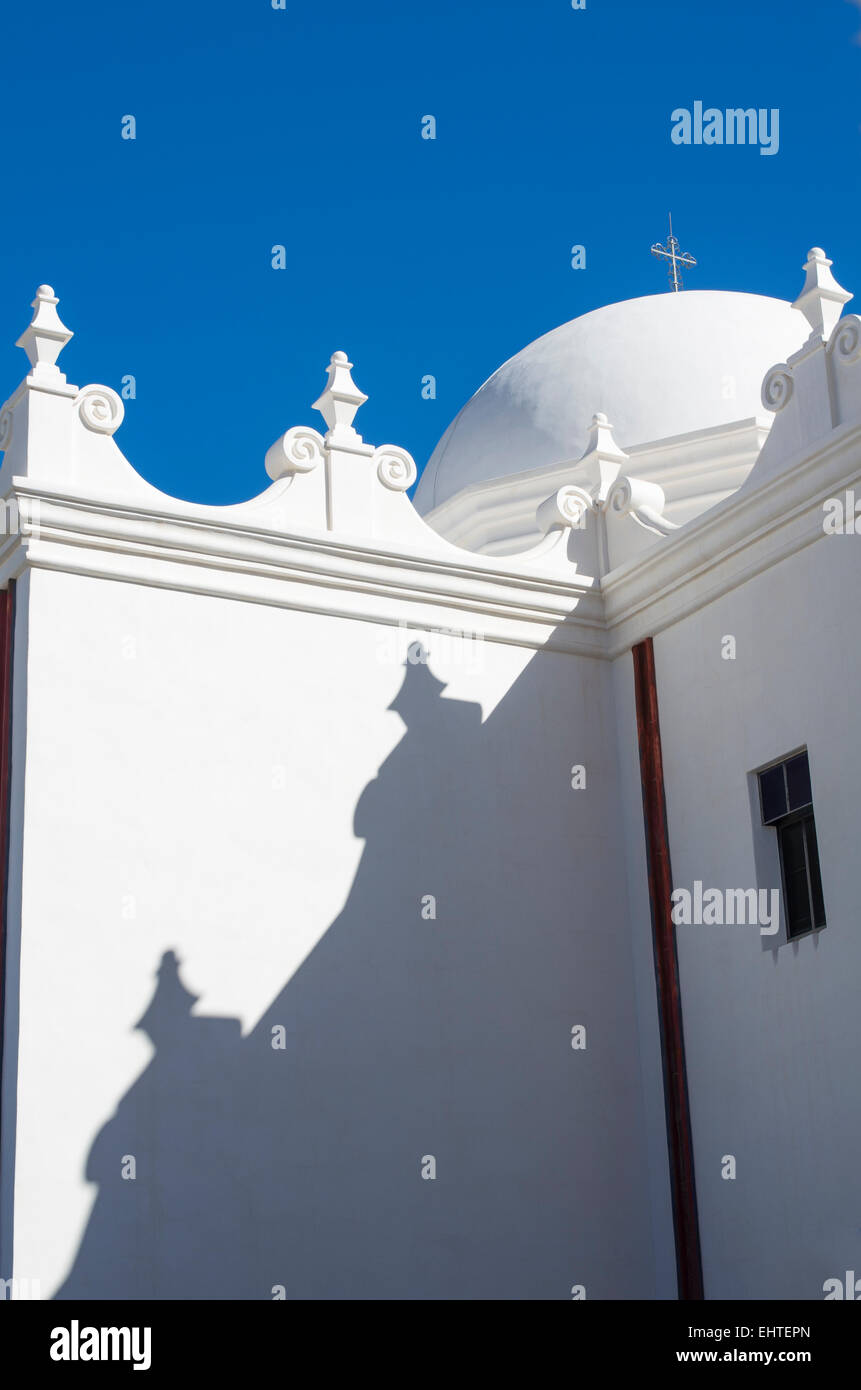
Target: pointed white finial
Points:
(603, 456)
(821, 300)
(340, 401)
(46, 336)
(601, 439)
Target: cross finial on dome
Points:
(821, 300)
(45, 337)
(673, 253)
(340, 401)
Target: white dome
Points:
(663, 365)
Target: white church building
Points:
(446, 899)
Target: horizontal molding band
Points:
(499, 601)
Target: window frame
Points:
(806, 817)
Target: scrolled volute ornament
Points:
(396, 468)
(777, 388)
(845, 341)
(641, 500)
(568, 506)
(297, 451)
(100, 409)
(632, 494)
(5, 429)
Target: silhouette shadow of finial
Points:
(420, 690)
(171, 1003)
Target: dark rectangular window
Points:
(786, 800)
(772, 791)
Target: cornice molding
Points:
(478, 595)
(313, 573)
(730, 544)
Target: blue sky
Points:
(258, 127)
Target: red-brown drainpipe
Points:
(684, 1196)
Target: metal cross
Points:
(676, 257)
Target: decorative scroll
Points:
(297, 451)
(643, 501)
(845, 341)
(396, 468)
(100, 409)
(5, 429)
(570, 506)
(777, 388)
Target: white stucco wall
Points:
(194, 770)
(770, 1030)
